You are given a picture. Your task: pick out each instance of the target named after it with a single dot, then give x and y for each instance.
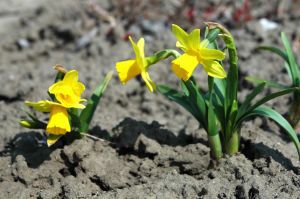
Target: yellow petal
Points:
(78, 88)
(69, 90)
(139, 52)
(194, 39)
(141, 46)
(59, 121)
(42, 106)
(184, 66)
(52, 139)
(178, 45)
(214, 69)
(149, 83)
(67, 97)
(204, 43)
(211, 54)
(180, 35)
(127, 70)
(71, 77)
(54, 88)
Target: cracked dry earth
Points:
(151, 148)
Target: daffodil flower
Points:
(59, 120)
(131, 68)
(196, 52)
(68, 90)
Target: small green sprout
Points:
(292, 69)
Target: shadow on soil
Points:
(255, 151)
(126, 133)
(31, 145)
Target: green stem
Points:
(232, 146)
(215, 146)
(161, 55)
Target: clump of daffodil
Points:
(67, 92)
(68, 116)
(131, 68)
(196, 52)
(218, 111)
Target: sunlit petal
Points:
(194, 39)
(149, 83)
(41, 106)
(214, 69)
(211, 54)
(180, 35)
(71, 76)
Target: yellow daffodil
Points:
(196, 52)
(68, 90)
(131, 68)
(59, 120)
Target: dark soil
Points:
(151, 147)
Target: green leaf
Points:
(291, 60)
(232, 81)
(230, 125)
(87, 113)
(243, 108)
(275, 50)
(271, 96)
(268, 112)
(175, 96)
(74, 117)
(268, 83)
(184, 88)
(219, 111)
(287, 68)
(197, 101)
(212, 129)
(179, 98)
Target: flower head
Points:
(196, 52)
(59, 120)
(68, 90)
(131, 68)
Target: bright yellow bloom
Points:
(69, 90)
(59, 120)
(196, 52)
(131, 68)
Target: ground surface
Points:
(155, 149)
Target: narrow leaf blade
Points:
(87, 114)
(291, 59)
(275, 50)
(268, 112)
(268, 83)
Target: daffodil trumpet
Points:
(68, 114)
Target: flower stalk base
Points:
(232, 146)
